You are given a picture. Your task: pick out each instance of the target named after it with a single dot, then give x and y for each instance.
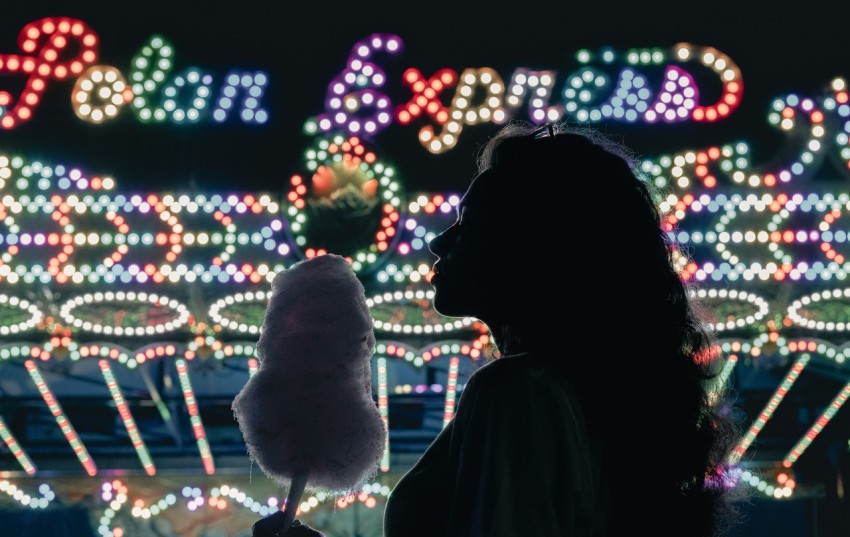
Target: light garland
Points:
(404, 328)
(705, 224)
(181, 312)
(127, 417)
(777, 492)
(15, 448)
(35, 315)
(731, 161)
(28, 500)
(218, 498)
(420, 357)
(765, 415)
(829, 326)
(71, 435)
(733, 348)
(195, 417)
(219, 246)
(115, 494)
(831, 409)
(426, 217)
(238, 298)
(739, 296)
(715, 254)
(837, 102)
(383, 409)
(451, 390)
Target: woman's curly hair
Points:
(646, 357)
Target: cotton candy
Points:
(309, 407)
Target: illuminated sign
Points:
(154, 93)
(356, 104)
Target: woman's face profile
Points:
(466, 256)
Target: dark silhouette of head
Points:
(560, 249)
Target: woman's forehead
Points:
(480, 188)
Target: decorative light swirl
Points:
(740, 296)
(35, 315)
(401, 328)
(829, 326)
(236, 326)
(65, 311)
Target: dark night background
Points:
(303, 45)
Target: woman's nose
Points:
(440, 244)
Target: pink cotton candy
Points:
(309, 407)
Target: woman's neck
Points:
(510, 341)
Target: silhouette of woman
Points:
(601, 417)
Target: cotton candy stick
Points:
(307, 416)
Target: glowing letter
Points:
(425, 94)
(730, 76)
(464, 111)
(44, 62)
(350, 103)
(252, 86)
(148, 71)
(539, 83)
(678, 96)
(195, 101)
(99, 94)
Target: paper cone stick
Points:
(293, 499)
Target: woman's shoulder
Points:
(514, 369)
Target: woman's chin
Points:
(448, 307)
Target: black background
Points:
(302, 45)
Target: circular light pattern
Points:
(582, 89)
(839, 295)
(399, 307)
(259, 297)
(721, 298)
(347, 178)
(180, 312)
(100, 93)
(35, 315)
